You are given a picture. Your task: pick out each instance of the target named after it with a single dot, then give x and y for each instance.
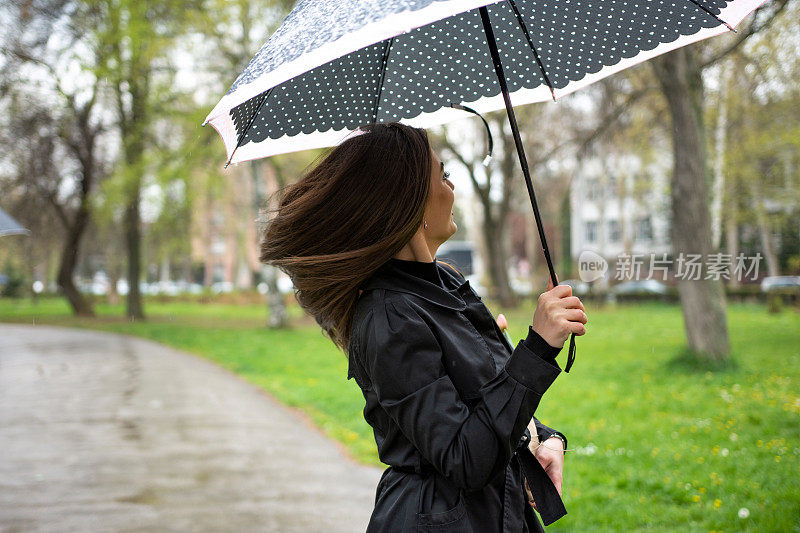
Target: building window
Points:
(218, 246)
(644, 229)
(592, 189)
(613, 231)
(591, 231)
(612, 185)
(218, 273)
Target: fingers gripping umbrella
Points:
(333, 65)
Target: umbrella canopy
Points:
(9, 226)
(336, 64)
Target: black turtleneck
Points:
(420, 269)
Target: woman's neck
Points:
(417, 249)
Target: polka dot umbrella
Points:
(333, 65)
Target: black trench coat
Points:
(449, 401)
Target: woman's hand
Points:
(551, 457)
(558, 313)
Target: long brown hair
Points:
(347, 216)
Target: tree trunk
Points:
(496, 215)
(702, 300)
(277, 317)
(81, 306)
(498, 271)
(134, 131)
(719, 175)
(764, 231)
(565, 223)
(69, 260)
(133, 241)
(732, 238)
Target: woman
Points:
(449, 399)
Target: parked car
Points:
(122, 287)
(644, 286)
(96, 287)
(222, 287)
(775, 283)
(170, 288)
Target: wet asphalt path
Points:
(103, 432)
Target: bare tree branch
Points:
(483, 192)
(610, 119)
(752, 29)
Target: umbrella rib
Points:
(704, 8)
(387, 48)
(533, 47)
(241, 137)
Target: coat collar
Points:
(390, 277)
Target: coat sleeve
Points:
(543, 431)
(404, 360)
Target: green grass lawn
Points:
(660, 443)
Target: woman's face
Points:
(439, 210)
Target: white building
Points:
(620, 205)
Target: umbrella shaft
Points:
(501, 78)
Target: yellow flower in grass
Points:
(696, 498)
(717, 503)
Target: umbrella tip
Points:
(730, 27)
(486, 160)
(553, 94)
